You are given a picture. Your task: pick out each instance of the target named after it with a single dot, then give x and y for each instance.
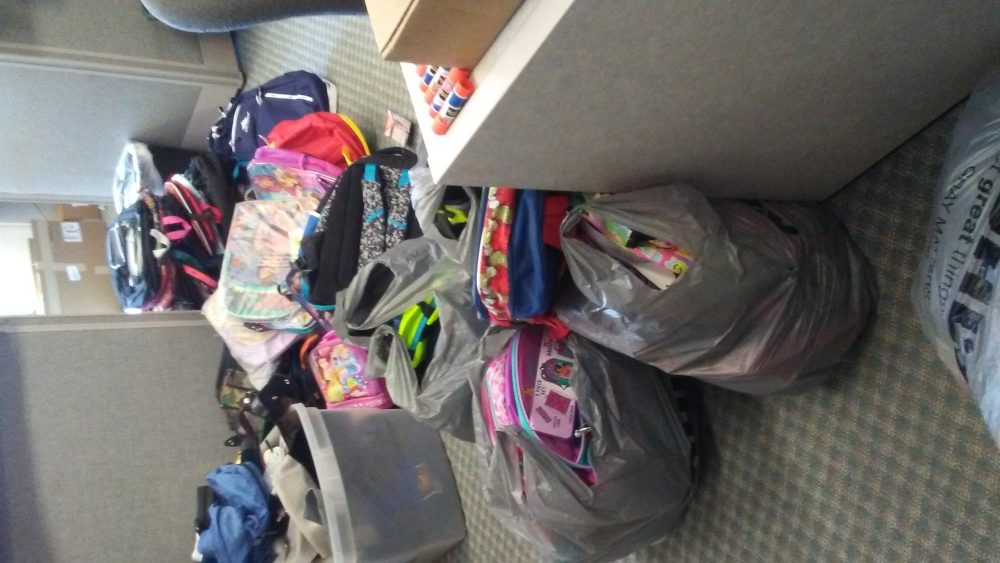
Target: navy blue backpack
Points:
(252, 114)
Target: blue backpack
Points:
(252, 114)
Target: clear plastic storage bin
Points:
(387, 486)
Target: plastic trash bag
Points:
(954, 290)
(640, 452)
(776, 292)
(388, 286)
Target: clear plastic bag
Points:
(642, 457)
(135, 171)
(775, 294)
(954, 290)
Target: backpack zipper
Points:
(232, 135)
(276, 95)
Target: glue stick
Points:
(456, 101)
(454, 76)
(436, 82)
(428, 76)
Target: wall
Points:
(80, 78)
(107, 426)
(101, 26)
(63, 131)
(19, 294)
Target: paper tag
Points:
(71, 231)
(397, 128)
(553, 409)
(73, 272)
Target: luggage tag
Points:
(553, 409)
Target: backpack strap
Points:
(373, 224)
(397, 199)
(162, 243)
(397, 157)
(181, 232)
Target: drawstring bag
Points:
(256, 351)
(766, 296)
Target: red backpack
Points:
(328, 136)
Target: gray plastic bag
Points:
(955, 291)
(392, 283)
(776, 293)
(640, 451)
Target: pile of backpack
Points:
(165, 247)
(541, 326)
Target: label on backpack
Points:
(553, 410)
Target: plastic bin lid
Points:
(332, 489)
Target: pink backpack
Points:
(339, 369)
(281, 173)
(530, 386)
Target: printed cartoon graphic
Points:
(342, 374)
(558, 372)
(560, 347)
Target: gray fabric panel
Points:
(104, 436)
(65, 131)
(111, 27)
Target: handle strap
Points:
(183, 227)
(291, 286)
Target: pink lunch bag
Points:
(530, 386)
(339, 369)
(282, 173)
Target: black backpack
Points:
(252, 114)
(367, 212)
(207, 175)
(129, 250)
(196, 266)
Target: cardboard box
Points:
(72, 212)
(438, 32)
(70, 266)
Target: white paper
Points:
(71, 231)
(73, 272)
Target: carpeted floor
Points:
(891, 462)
